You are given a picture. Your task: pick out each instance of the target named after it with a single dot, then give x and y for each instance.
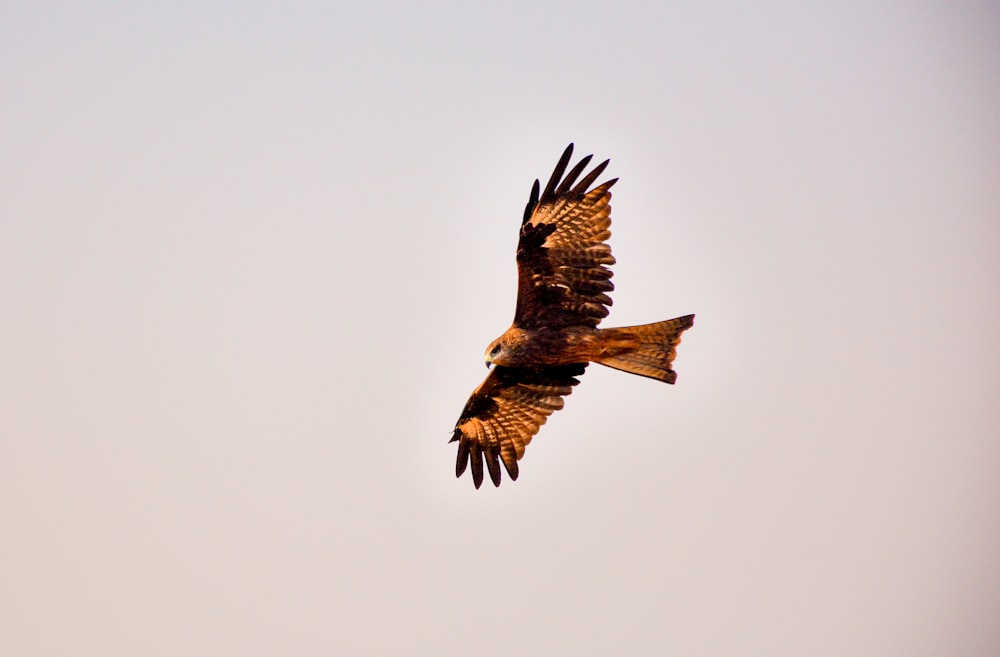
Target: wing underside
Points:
(563, 257)
(504, 413)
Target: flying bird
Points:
(563, 281)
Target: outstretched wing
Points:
(505, 412)
(562, 257)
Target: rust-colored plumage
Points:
(563, 283)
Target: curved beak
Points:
(489, 362)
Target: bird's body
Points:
(563, 286)
(543, 347)
(549, 347)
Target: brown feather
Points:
(651, 348)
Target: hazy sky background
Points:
(251, 254)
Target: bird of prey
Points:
(563, 283)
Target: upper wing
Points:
(505, 412)
(561, 254)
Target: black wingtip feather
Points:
(493, 463)
(559, 185)
(532, 202)
(510, 464)
(557, 173)
(588, 180)
(463, 458)
(476, 456)
(573, 174)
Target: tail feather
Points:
(646, 350)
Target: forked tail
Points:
(646, 350)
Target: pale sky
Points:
(251, 255)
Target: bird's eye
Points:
(495, 350)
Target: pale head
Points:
(509, 349)
(494, 353)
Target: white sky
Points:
(250, 257)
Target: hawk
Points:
(563, 281)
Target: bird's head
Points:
(494, 353)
